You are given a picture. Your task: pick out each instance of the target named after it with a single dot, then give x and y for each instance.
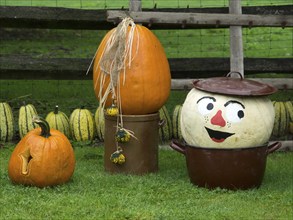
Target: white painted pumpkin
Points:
(222, 121)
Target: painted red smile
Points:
(218, 136)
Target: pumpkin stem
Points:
(56, 110)
(45, 128)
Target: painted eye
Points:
(234, 112)
(205, 105)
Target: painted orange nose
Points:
(218, 119)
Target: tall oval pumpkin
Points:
(145, 81)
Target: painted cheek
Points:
(218, 119)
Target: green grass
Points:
(94, 194)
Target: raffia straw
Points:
(117, 52)
(116, 57)
(91, 63)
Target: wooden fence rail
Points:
(199, 19)
(27, 68)
(68, 18)
(20, 67)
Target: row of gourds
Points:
(82, 125)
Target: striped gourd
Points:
(100, 123)
(289, 108)
(165, 130)
(6, 122)
(281, 123)
(82, 125)
(59, 121)
(176, 122)
(25, 119)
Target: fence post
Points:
(236, 47)
(134, 5)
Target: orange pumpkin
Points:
(144, 84)
(44, 157)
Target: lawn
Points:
(93, 193)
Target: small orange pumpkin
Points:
(145, 84)
(44, 157)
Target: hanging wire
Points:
(270, 44)
(200, 37)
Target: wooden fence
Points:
(19, 67)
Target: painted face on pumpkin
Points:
(207, 105)
(219, 121)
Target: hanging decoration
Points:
(117, 157)
(112, 110)
(131, 76)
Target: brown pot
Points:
(141, 153)
(237, 168)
